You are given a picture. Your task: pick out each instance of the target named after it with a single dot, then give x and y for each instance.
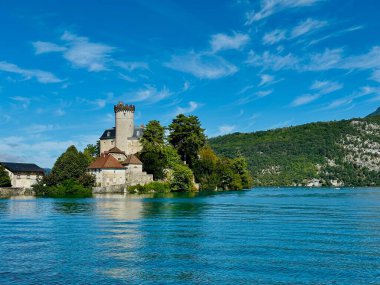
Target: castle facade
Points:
(124, 136)
(117, 164)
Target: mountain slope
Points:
(341, 153)
(376, 113)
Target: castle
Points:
(117, 164)
(124, 135)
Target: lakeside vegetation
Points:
(179, 162)
(68, 177)
(293, 156)
(184, 161)
(5, 181)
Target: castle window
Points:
(108, 134)
(18, 176)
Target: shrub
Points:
(155, 186)
(68, 189)
(182, 179)
(5, 181)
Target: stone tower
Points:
(124, 123)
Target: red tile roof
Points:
(106, 161)
(132, 159)
(115, 150)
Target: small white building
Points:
(109, 171)
(23, 175)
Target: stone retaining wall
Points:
(109, 189)
(8, 191)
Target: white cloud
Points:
(39, 128)
(253, 97)
(85, 54)
(326, 60)
(24, 101)
(273, 61)
(339, 103)
(274, 37)
(325, 87)
(376, 75)
(335, 59)
(363, 91)
(220, 42)
(264, 93)
(335, 34)
(265, 79)
(307, 26)
(40, 75)
(322, 87)
(189, 109)
(44, 152)
(225, 129)
(330, 58)
(304, 99)
(270, 7)
(59, 112)
(150, 94)
(46, 47)
(132, 65)
(202, 65)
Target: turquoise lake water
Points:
(260, 236)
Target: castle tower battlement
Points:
(124, 124)
(120, 107)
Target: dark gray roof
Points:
(21, 167)
(111, 134)
(108, 134)
(137, 133)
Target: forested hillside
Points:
(340, 153)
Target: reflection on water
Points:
(265, 236)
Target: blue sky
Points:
(241, 66)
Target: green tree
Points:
(72, 164)
(182, 179)
(240, 165)
(187, 137)
(152, 153)
(5, 181)
(91, 152)
(205, 169)
(153, 136)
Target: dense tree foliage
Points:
(72, 164)
(5, 181)
(153, 136)
(187, 137)
(155, 186)
(68, 177)
(92, 151)
(156, 155)
(69, 188)
(186, 143)
(295, 155)
(182, 179)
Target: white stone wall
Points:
(124, 123)
(133, 146)
(134, 178)
(119, 156)
(108, 177)
(134, 168)
(106, 145)
(23, 180)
